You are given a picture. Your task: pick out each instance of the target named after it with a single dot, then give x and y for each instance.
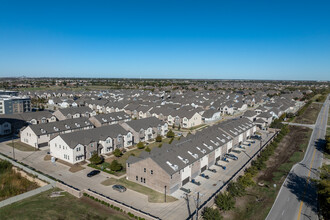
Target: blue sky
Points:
(166, 39)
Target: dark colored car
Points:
(212, 170)
(231, 156)
(119, 188)
(196, 182)
(93, 173)
(185, 190)
(205, 176)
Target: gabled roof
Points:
(85, 137)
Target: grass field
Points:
(153, 196)
(21, 146)
(42, 206)
(12, 183)
(310, 115)
(258, 200)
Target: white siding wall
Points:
(186, 172)
(204, 161)
(29, 137)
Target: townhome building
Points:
(110, 118)
(5, 127)
(38, 135)
(68, 113)
(78, 146)
(145, 129)
(173, 165)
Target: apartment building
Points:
(14, 104)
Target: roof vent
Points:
(193, 155)
(173, 166)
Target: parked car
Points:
(240, 146)
(93, 173)
(185, 190)
(236, 151)
(225, 159)
(205, 176)
(257, 137)
(212, 170)
(196, 182)
(231, 156)
(119, 188)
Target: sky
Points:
(269, 39)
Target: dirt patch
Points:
(98, 206)
(310, 114)
(76, 168)
(47, 157)
(289, 145)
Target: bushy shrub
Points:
(140, 145)
(115, 166)
(159, 138)
(96, 159)
(117, 152)
(170, 134)
(211, 214)
(148, 149)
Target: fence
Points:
(210, 201)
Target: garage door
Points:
(217, 159)
(185, 181)
(203, 168)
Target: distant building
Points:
(14, 104)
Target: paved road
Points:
(297, 198)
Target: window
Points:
(151, 172)
(145, 170)
(127, 164)
(137, 178)
(141, 179)
(144, 180)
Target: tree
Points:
(235, 189)
(96, 159)
(115, 166)
(140, 145)
(170, 134)
(159, 138)
(148, 149)
(117, 152)
(211, 214)
(224, 201)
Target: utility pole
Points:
(12, 140)
(197, 203)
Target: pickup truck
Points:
(205, 176)
(185, 190)
(196, 182)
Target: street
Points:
(297, 198)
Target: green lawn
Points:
(42, 206)
(21, 146)
(153, 196)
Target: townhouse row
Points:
(172, 166)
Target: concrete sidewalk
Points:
(25, 195)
